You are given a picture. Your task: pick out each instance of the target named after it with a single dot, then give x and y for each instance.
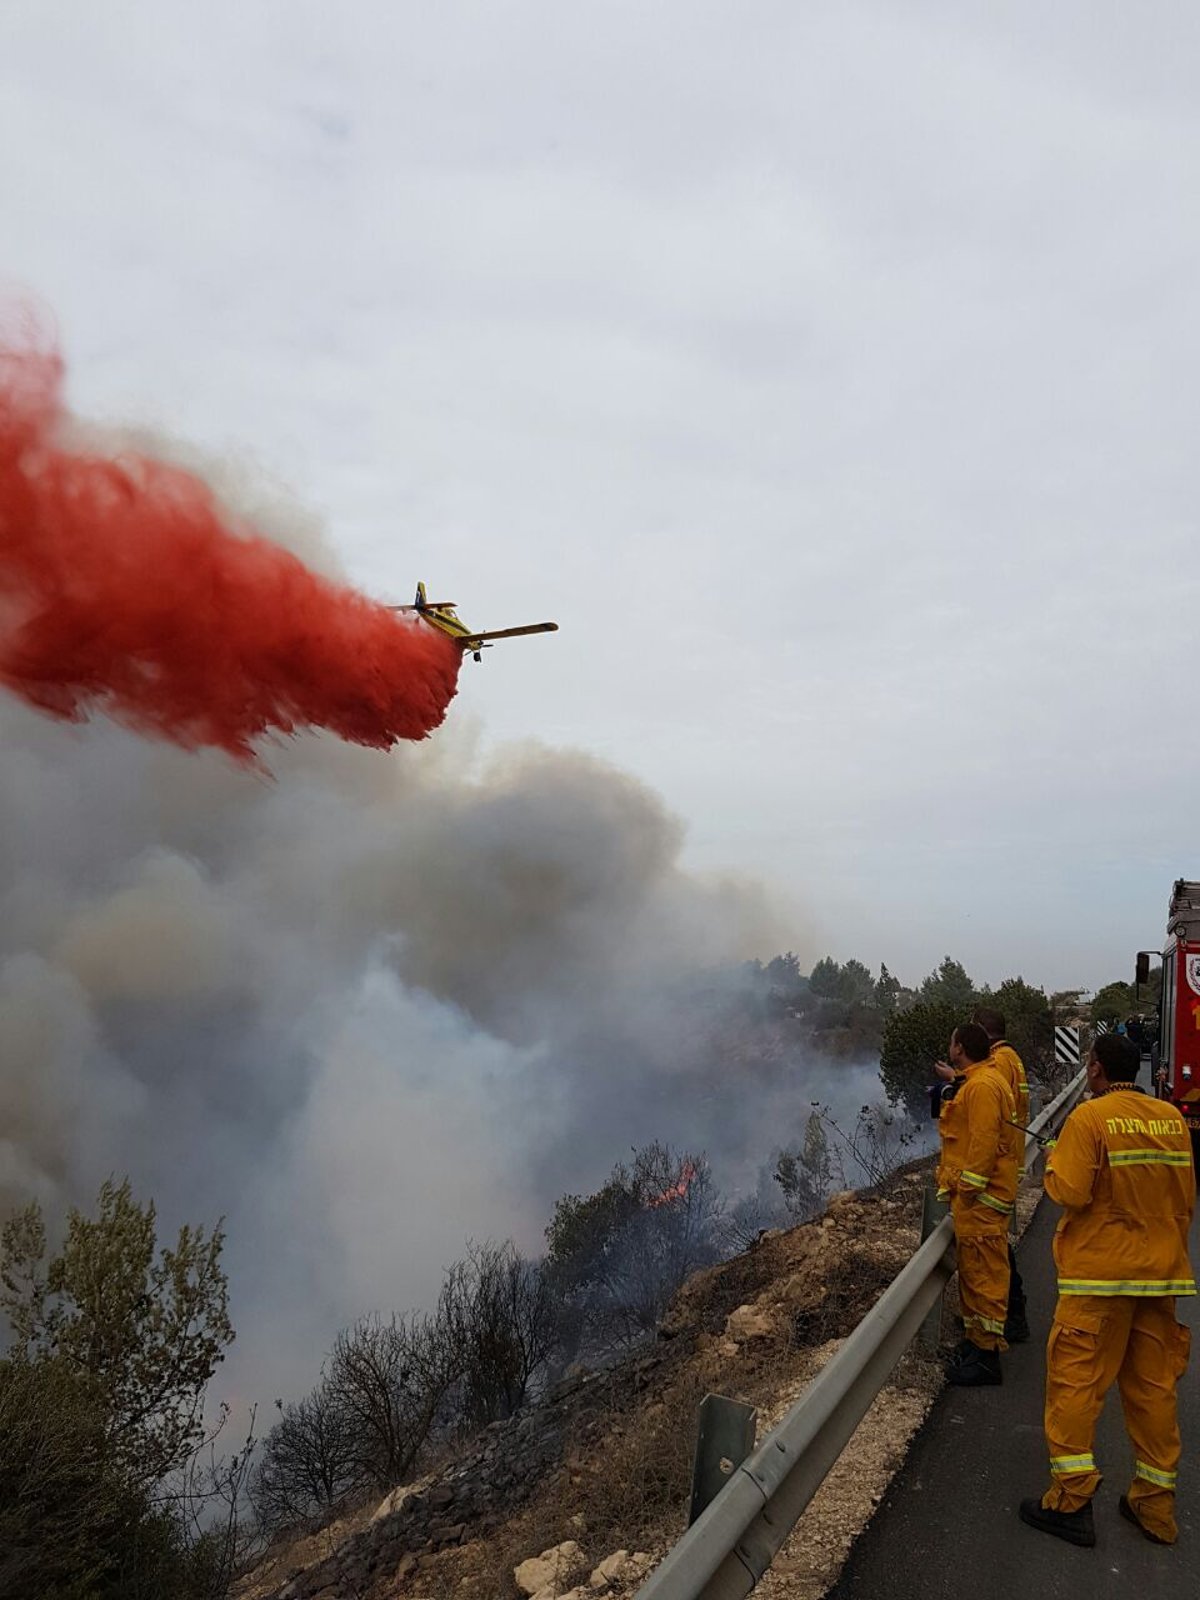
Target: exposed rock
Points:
(620, 1568)
(610, 1568)
(750, 1322)
(391, 1503)
(540, 1575)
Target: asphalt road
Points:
(948, 1528)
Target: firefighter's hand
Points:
(944, 1071)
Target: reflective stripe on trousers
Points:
(983, 1275)
(1135, 1342)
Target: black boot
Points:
(1076, 1527)
(977, 1369)
(1131, 1515)
(1014, 1317)
(1016, 1327)
(961, 1351)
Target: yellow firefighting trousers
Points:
(981, 1237)
(1097, 1340)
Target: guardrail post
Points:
(932, 1212)
(726, 1438)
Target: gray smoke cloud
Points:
(364, 1010)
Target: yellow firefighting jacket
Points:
(1005, 1058)
(980, 1146)
(1010, 1064)
(1123, 1170)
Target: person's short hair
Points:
(973, 1041)
(992, 1022)
(1119, 1056)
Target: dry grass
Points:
(641, 1478)
(623, 1485)
(857, 1282)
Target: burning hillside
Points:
(602, 1467)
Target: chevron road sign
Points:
(1066, 1046)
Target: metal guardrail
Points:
(733, 1542)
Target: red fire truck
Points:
(1177, 1059)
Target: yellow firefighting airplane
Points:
(442, 615)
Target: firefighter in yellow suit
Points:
(978, 1175)
(1122, 1170)
(1016, 1323)
(1006, 1058)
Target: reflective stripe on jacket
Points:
(1122, 1168)
(980, 1147)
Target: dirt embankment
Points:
(605, 1463)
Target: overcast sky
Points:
(826, 371)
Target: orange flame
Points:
(676, 1191)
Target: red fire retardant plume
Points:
(123, 589)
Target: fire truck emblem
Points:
(1192, 969)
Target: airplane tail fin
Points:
(420, 602)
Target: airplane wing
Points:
(510, 633)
